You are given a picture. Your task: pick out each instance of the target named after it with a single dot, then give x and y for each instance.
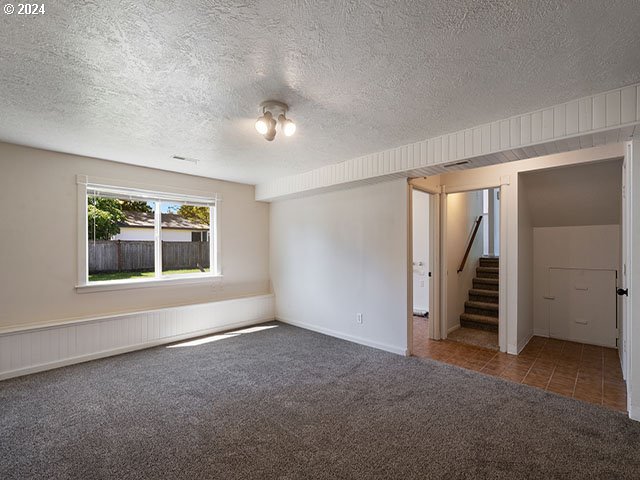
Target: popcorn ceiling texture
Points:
(138, 82)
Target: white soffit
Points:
(600, 119)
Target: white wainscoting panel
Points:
(45, 347)
(609, 117)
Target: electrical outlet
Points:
(359, 318)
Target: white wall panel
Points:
(486, 139)
(504, 135)
(495, 136)
(628, 105)
(585, 113)
(42, 348)
(612, 108)
(547, 124)
(559, 121)
(572, 118)
(597, 119)
(515, 133)
(599, 111)
(638, 103)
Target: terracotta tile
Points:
(560, 390)
(566, 370)
(536, 380)
(615, 404)
(562, 382)
(493, 369)
(542, 368)
(525, 362)
(588, 398)
(585, 372)
(513, 376)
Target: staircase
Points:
(481, 310)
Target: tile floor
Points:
(584, 372)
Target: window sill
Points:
(112, 285)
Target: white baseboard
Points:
(453, 329)
(523, 343)
(538, 332)
(634, 413)
(36, 349)
(344, 336)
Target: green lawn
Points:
(102, 277)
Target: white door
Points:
(584, 306)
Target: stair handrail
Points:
(470, 244)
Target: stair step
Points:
(489, 261)
(480, 322)
(487, 272)
(486, 283)
(481, 308)
(482, 295)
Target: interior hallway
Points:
(584, 372)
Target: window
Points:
(138, 236)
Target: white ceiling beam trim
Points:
(599, 119)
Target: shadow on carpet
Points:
(288, 403)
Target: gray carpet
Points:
(287, 403)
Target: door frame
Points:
(502, 287)
(631, 271)
(434, 258)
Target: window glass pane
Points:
(120, 237)
(185, 239)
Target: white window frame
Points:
(126, 189)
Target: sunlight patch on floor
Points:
(221, 336)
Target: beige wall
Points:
(38, 230)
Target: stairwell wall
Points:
(462, 211)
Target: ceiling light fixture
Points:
(266, 123)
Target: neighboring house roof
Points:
(169, 220)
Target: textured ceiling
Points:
(140, 81)
(588, 194)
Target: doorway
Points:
(424, 241)
(472, 266)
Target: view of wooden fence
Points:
(138, 256)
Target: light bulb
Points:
(289, 128)
(261, 126)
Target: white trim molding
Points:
(44, 347)
(609, 117)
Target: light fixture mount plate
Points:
(275, 107)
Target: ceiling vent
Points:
(456, 164)
(185, 159)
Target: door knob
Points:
(623, 291)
